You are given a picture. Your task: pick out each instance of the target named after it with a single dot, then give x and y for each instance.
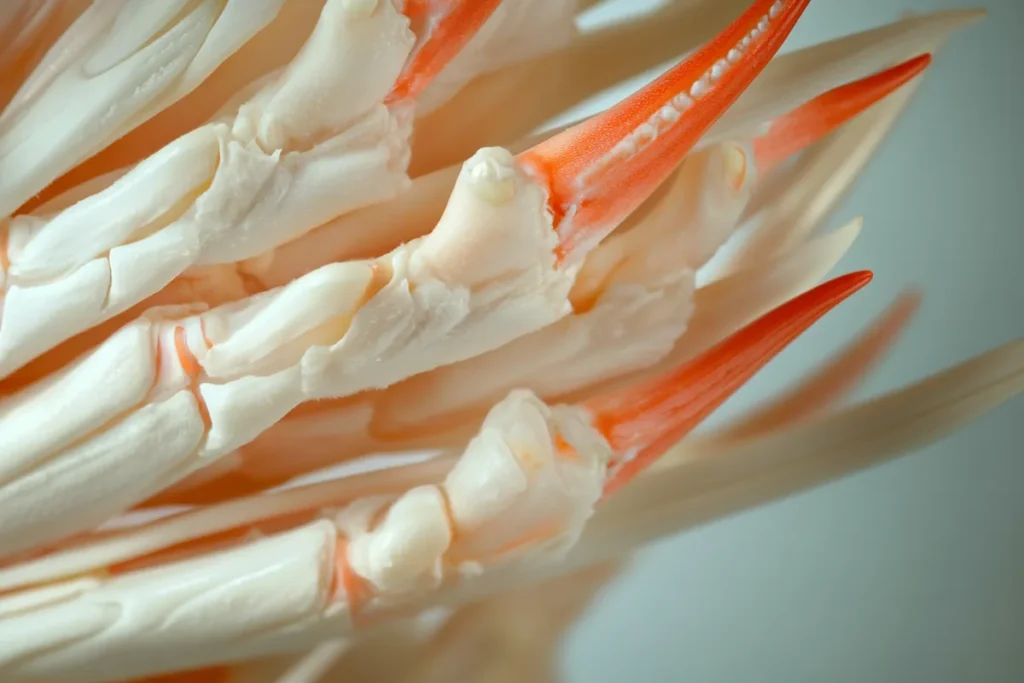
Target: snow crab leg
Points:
(181, 391)
(631, 304)
(326, 135)
(295, 571)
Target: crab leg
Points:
(544, 470)
(499, 264)
(631, 304)
(302, 150)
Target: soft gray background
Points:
(913, 571)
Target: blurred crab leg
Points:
(121, 62)
(819, 117)
(726, 305)
(543, 469)
(20, 22)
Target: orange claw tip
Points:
(444, 27)
(644, 421)
(599, 171)
(814, 120)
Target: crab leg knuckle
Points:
(521, 491)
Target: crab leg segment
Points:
(599, 171)
(805, 125)
(446, 27)
(640, 423)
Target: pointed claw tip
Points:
(599, 171)
(821, 116)
(643, 422)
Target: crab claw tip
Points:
(598, 172)
(642, 422)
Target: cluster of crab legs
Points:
(200, 347)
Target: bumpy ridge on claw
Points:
(642, 422)
(448, 26)
(814, 120)
(601, 170)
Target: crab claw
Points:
(444, 27)
(598, 172)
(814, 120)
(642, 422)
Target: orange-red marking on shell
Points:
(565, 450)
(192, 369)
(649, 418)
(185, 357)
(814, 120)
(357, 589)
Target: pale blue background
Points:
(913, 571)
